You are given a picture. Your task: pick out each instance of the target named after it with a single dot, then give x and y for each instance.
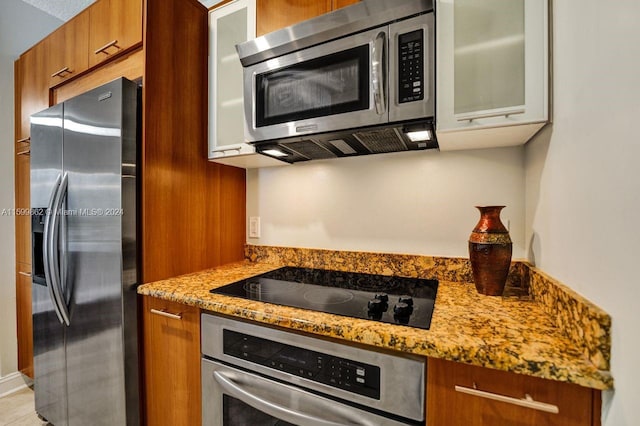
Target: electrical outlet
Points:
(254, 227)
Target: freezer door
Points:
(48, 333)
(97, 348)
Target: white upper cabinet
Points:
(492, 72)
(230, 24)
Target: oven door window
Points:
(328, 85)
(237, 413)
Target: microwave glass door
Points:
(328, 85)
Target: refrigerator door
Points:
(98, 127)
(48, 332)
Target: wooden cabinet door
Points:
(273, 15)
(114, 27)
(33, 89)
(447, 406)
(68, 48)
(171, 363)
(22, 200)
(24, 320)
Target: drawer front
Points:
(459, 394)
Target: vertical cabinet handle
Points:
(527, 401)
(112, 43)
(166, 314)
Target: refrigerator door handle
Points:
(54, 247)
(46, 254)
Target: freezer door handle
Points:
(46, 259)
(54, 250)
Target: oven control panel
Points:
(342, 373)
(411, 66)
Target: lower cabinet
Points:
(171, 363)
(463, 395)
(24, 319)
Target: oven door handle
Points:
(232, 384)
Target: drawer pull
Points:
(25, 152)
(476, 116)
(26, 274)
(166, 314)
(62, 71)
(527, 401)
(27, 139)
(112, 43)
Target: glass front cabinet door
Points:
(492, 72)
(230, 24)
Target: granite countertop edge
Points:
(466, 327)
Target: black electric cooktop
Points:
(394, 300)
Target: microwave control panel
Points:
(411, 66)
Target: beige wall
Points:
(583, 178)
(20, 27)
(413, 202)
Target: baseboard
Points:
(12, 383)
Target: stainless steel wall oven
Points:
(256, 375)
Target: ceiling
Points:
(67, 9)
(61, 9)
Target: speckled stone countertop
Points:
(505, 333)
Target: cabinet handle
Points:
(26, 274)
(527, 401)
(166, 314)
(25, 152)
(62, 71)
(471, 117)
(112, 43)
(27, 139)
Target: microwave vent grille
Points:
(380, 141)
(310, 149)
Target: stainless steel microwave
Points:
(356, 81)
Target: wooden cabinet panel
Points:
(182, 193)
(115, 26)
(448, 407)
(172, 363)
(129, 66)
(67, 49)
(272, 15)
(22, 203)
(24, 320)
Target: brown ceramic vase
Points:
(490, 252)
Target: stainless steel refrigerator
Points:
(83, 196)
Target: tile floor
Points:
(17, 409)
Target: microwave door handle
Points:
(236, 390)
(46, 254)
(378, 72)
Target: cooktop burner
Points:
(394, 300)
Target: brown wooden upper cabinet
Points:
(67, 50)
(31, 88)
(115, 26)
(273, 15)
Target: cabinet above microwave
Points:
(492, 72)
